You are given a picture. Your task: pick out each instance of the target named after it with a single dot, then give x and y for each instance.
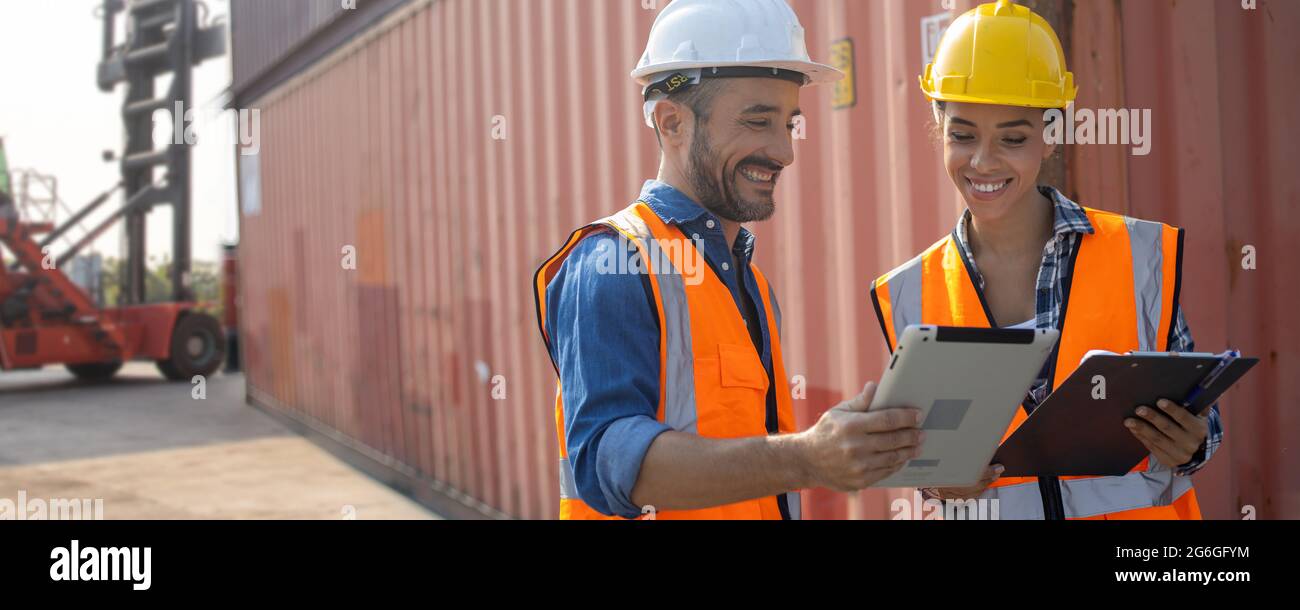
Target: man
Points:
(673, 397)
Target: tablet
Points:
(968, 383)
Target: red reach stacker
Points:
(47, 319)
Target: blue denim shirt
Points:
(604, 330)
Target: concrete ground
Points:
(151, 451)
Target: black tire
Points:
(165, 367)
(95, 371)
(198, 347)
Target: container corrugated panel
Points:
(264, 31)
(427, 353)
(1220, 80)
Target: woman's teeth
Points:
(988, 187)
(757, 175)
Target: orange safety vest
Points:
(711, 379)
(1120, 297)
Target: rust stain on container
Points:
(457, 143)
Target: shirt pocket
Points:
(734, 399)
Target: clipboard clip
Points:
(1225, 360)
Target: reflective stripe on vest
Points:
(679, 365)
(714, 368)
(568, 488)
(1092, 496)
(1148, 262)
(1120, 297)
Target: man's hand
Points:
(849, 448)
(1170, 433)
(991, 474)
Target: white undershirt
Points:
(1027, 324)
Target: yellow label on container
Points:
(846, 93)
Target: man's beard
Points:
(721, 198)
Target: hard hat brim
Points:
(818, 74)
(1024, 102)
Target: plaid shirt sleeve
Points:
(1182, 342)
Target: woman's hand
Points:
(991, 474)
(1170, 433)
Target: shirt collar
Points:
(1070, 216)
(671, 205)
(675, 208)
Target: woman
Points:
(1025, 256)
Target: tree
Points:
(205, 281)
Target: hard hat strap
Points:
(677, 81)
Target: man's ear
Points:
(673, 121)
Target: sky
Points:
(55, 120)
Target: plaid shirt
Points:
(1071, 224)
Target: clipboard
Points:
(1078, 430)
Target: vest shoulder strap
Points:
(629, 222)
(1151, 253)
(626, 222)
(896, 296)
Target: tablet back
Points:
(968, 382)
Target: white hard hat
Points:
(691, 34)
(696, 39)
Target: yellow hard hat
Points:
(1000, 53)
